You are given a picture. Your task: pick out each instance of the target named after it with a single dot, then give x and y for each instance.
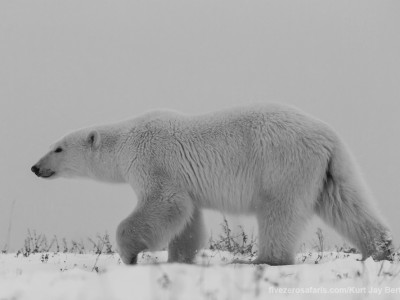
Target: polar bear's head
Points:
(85, 153)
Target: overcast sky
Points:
(70, 64)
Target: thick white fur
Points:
(271, 161)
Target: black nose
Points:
(35, 169)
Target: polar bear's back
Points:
(228, 159)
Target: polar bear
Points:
(267, 160)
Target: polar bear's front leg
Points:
(184, 246)
(155, 222)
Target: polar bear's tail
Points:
(346, 204)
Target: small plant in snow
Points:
(38, 243)
(234, 243)
(320, 245)
(77, 247)
(102, 245)
(34, 243)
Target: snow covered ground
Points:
(65, 276)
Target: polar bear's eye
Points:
(58, 150)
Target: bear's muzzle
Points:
(45, 173)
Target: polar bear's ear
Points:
(93, 139)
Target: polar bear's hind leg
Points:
(279, 228)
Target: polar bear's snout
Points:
(35, 169)
(42, 172)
